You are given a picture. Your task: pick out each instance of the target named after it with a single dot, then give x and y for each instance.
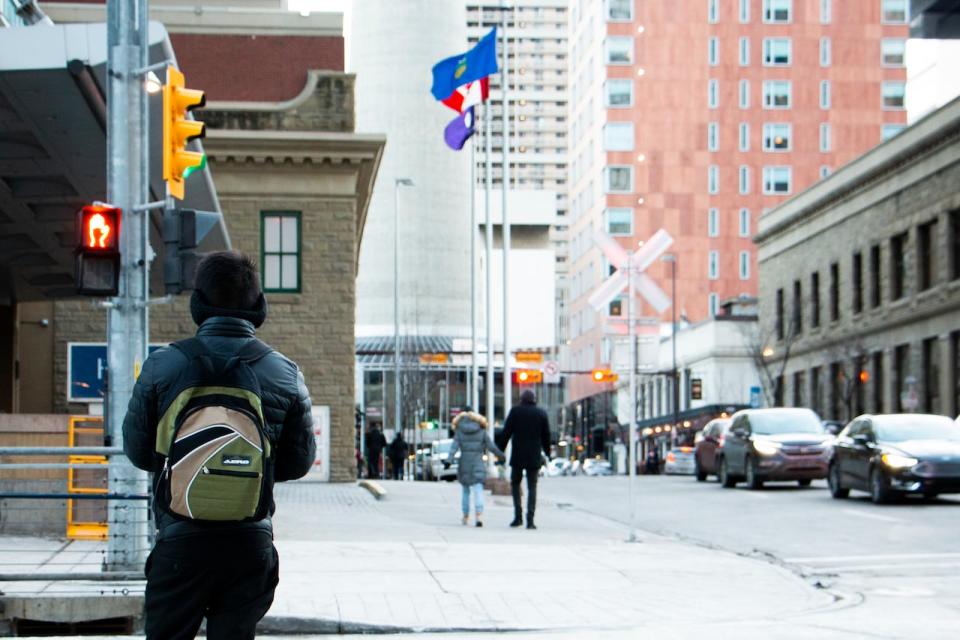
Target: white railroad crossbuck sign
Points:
(636, 263)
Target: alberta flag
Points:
(451, 73)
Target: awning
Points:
(53, 154)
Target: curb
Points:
(374, 487)
(296, 625)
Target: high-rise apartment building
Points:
(537, 50)
(696, 117)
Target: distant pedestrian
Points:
(217, 418)
(397, 452)
(473, 440)
(652, 464)
(375, 444)
(528, 426)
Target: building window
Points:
(619, 179)
(824, 171)
(744, 91)
(824, 94)
(713, 94)
(815, 299)
(744, 223)
(743, 12)
(619, 50)
(776, 94)
(779, 316)
(744, 143)
(877, 381)
(777, 136)
(713, 179)
(816, 393)
(777, 10)
(713, 136)
(875, 286)
(776, 52)
(620, 10)
(824, 137)
(857, 282)
(898, 264)
(619, 221)
(892, 94)
(713, 265)
(926, 255)
(777, 181)
(955, 360)
(713, 223)
(894, 11)
(825, 52)
(797, 308)
(901, 371)
(713, 12)
(713, 51)
(744, 179)
(744, 51)
(280, 249)
(618, 136)
(834, 292)
(713, 304)
(953, 242)
(799, 382)
(931, 375)
(744, 265)
(825, 11)
(619, 92)
(887, 131)
(892, 52)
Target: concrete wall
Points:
(33, 517)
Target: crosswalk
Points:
(889, 564)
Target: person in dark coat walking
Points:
(375, 445)
(528, 426)
(472, 440)
(224, 571)
(397, 452)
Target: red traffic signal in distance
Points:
(98, 250)
(528, 376)
(603, 375)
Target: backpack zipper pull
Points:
(205, 471)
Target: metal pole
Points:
(397, 421)
(507, 364)
(632, 437)
(473, 381)
(127, 319)
(488, 250)
(673, 344)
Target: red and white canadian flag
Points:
(468, 95)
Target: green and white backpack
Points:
(217, 464)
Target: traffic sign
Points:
(636, 263)
(551, 372)
(87, 370)
(754, 397)
(696, 388)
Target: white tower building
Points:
(393, 46)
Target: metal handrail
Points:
(61, 451)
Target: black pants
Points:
(373, 466)
(396, 467)
(516, 475)
(227, 579)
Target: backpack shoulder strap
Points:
(193, 348)
(253, 351)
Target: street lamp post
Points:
(398, 182)
(672, 259)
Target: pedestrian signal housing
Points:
(98, 250)
(528, 376)
(179, 130)
(603, 375)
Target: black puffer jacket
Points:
(529, 427)
(286, 410)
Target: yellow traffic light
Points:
(603, 375)
(178, 101)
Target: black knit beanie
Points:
(201, 310)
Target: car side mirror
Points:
(862, 440)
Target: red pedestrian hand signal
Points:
(99, 231)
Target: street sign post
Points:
(551, 372)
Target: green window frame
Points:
(281, 240)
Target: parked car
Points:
(680, 462)
(708, 446)
(774, 444)
(558, 467)
(891, 455)
(597, 467)
(440, 467)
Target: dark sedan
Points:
(891, 455)
(708, 447)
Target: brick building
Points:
(695, 117)
(860, 281)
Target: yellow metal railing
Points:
(78, 479)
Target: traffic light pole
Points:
(127, 321)
(632, 436)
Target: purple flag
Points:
(459, 130)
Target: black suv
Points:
(774, 444)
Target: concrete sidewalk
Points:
(350, 563)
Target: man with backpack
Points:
(217, 419)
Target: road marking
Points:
(871, 516)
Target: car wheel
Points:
(837, 490)
(697, 471)
(754, 481)
(726, 480)
(805, 482)
(879, 489)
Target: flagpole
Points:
(472, 386)
(488, 263)
(507, 364)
